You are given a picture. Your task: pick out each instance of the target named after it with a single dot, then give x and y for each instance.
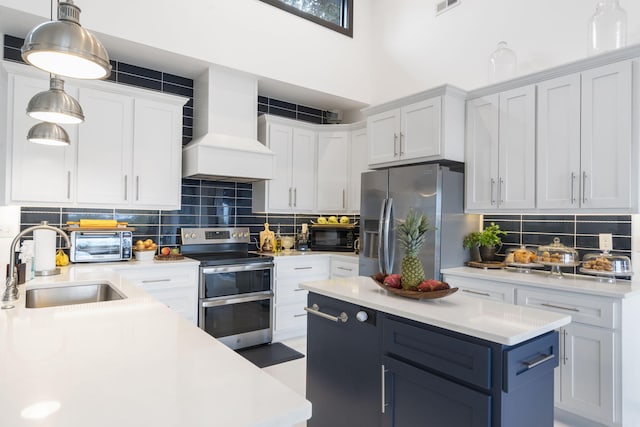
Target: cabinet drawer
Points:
(343, 268)
(481, 289)
(316, 266)
(290, 317)
(530, 361)
(597, 311)
(467, 361)
(288, 291)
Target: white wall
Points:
(415, 50)
(246, 35)
(9, 228)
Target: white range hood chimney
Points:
(225, 145)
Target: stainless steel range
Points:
(235, 285)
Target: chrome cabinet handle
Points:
(289, 196)
(383, 371)
(302, 268)
(300, 315)
(540, 360)
(493, 200)
(295, 197)
(315, 310)
(401, 138)
(299, 290)
(560, 307)
(137, 187)
(156, 280)
(395, 143)
(584, 187)
(500, 198)
(484, 294)
(345, 268)
(68, 184)
(564, 347)
(573, 184)
(126, 196)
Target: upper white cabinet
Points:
(317, 169)
(423, 127)
(585, 140)
(500, 151)
(293, 188)
(36, 173)
(333, 169)
(127, 153)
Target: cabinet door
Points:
(587, 371)
(413, 397)
(39, 173)
(157, 154)
(558, 145)
(280, 193)
(481, 153)
(517, 149)
(303, 167)
(105, 148)
(333, 149)
(358, 164)
(420, 129)
(606, 152)
(383, 130)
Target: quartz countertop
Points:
(569, 282)
(489, 320)
(127, 362)
(294, 253)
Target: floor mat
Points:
(269, 354)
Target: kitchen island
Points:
(457, 361)
(127, 362)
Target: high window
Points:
(334, 14)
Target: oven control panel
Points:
(196, 236)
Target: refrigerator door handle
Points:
(390, 247)
(381, 243)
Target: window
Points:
(334, 14)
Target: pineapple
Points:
(411, 235)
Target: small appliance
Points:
(332, 237)
(100, 245)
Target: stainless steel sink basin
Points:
(69, 295)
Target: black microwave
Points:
(332, 237)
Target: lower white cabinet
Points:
(289, 318)
(596, 378)
(173, 285)
(343, 266)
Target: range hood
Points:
(225, 147)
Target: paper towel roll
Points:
(44, 250)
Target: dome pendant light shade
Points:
(48, 134)
(55, 105)
(64, 48)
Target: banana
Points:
(62, 258)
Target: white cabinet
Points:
(500, 151)
(293, 188)
(358, 164)
(290, 319)
(423, 127)
(173, 285)
(584, 145)
(333, 168)
(36, 173)
(484, 290)
(342, 266)
(126, 153)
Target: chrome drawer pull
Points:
(545, 357)
(298, 290)
(315, 309)
(382, 372)
(345, 268)
(484, 294)
(156, 280)
(300, 315)
(560, 307)
(302, 268)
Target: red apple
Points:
(165, 251)
(393, 281)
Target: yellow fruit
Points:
(322, 220)
(333, 220)
(62, 258)
(148, 243)
(344, 220)
(139, 242)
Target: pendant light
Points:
(64, 48)
(48, 134)
(55, 105)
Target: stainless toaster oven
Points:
(100, 245)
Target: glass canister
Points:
(557, 255)
(607, 27)
(502, 63)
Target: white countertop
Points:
(489, 320)
(131, 362)
(570, 282)
(294, 253)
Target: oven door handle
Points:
(238, 267)
(237, 300)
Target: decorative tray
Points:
(605, 273)
(486, 264)
(414, 294)
(170, 257)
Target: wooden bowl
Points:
(413, 294)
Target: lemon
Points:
(322, 220)
(333, 220)
(344, 220)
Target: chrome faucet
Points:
(11, 290)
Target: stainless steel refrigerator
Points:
(388, 194)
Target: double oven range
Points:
(235, 285)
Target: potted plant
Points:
(487, 242)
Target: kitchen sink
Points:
(69, 295)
